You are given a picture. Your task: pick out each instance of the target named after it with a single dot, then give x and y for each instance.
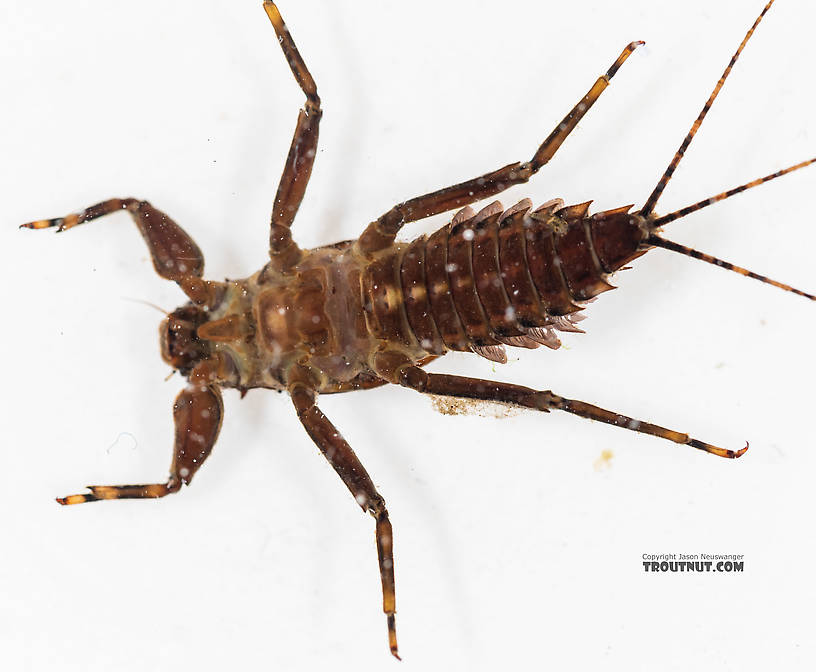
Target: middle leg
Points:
(342, 458)
(283, 251)
(381, 233)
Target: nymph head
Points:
(180, 346)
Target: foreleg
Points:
(197, 414)
(174, 253)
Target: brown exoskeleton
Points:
(362, 313)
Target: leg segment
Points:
(283, 251)
(342, 458)
(197, 413)
(381, 233)
(488, 390)
(175, 254)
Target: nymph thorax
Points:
(313, 315)
(317, 315)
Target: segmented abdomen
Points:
(492, 278)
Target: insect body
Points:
(373, 311)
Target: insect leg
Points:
(174, 253)
(342, 458)
(283, 251)
(381, 232)
(197, 414)
(417, 379)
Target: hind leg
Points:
(393, 368)
(381, 232)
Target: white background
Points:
(512, 548)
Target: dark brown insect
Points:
(363, 313)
